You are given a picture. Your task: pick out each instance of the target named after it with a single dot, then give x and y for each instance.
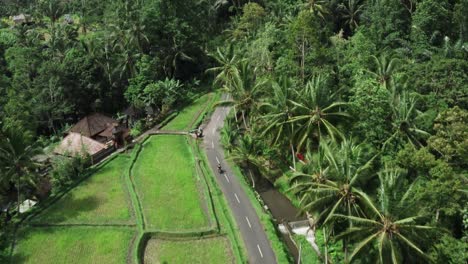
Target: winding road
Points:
(255, 239)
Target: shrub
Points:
(66, 170)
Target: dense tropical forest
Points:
(355, 109)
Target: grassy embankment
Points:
(187, 116)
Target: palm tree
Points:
(227, 70)
(245, 90)
(246, 154)
(351, 12)
(277, 111)
(384, 69)
(317, 7)
(333, 184)
(392, 227)
(53, 9)
(124, 45)
(342, 171)
(404, 117)
(229, 133)
(315, 108)
(16, 152)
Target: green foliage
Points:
(387, 23)
(451, 135)
(370, 106)
(432, 18)
(66, 171)
(137, 129)
(252, 17)
(443, 77)
(450, 250)
(438, 186)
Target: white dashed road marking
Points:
(260, 251)
(212, 144)
(225, 176)
(217, 160)
(237, 198)
(248, 222)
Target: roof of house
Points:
(75, 144)
(115, 128)
(93, 124)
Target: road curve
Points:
(255, 239)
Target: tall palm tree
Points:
(125, 45)
(404, 117)
(277, 111)
(315, 109)
(245, 90)
(247, 155)
(392, 227)
(227, 71)
(16, 152)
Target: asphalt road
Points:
(255, 240)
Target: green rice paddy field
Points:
(165, 180)
(209, 250)
(100, 199)
(73, 245)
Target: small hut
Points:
(75, 144)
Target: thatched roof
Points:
(76, 144)
(93, 124)
(113, 129)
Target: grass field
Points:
(165, 180)
(210, 250)
(100, 199)
(308, 255)
(73, 245)
(185, 117)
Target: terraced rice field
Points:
(166, 183)
(202, 251)
(73, 245)
(100, 199)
